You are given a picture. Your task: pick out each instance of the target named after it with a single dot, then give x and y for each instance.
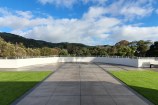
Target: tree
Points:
(133, 46)
(94, 51)
(102, 52)
(85, 52)
(20, 52)
(124, 51)
(142, 48)
(1, 46)
(72, 49)
(45, 51)
(153, 51)
(122, 43)
(79, 52)
(8, 50)
(122, 48)
(36, 52)
(63, 52)
(125, 48)
(112, 51)
(55, 51)
(29, 52)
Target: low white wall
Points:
(8, 63)
(35, 61)
(145, 62)
(122, 61)
(16, 63)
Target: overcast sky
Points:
(91, 22)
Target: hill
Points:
(34, 47)
(32, 43)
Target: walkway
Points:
(81, 84)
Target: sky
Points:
(91, 22)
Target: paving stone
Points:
(93, 90)
(97, 100)
(64, 100)
(128, 100)
(82, 84)
(119, 91)
(67, 90)
(34, 101)
(41, 92)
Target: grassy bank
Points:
(144, 82)
(15, 84)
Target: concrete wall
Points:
(145, 62)
(8, 63)
(16, 63)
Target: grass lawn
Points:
(15, 84)
(144, 82)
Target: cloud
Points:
(135, 12)
(65, 3)
(96, 26)
(130, 9)
(127, 9)
(4, 12)
(71, 3)
(94, 13)
(156, 11)
(19, 20)
(26, 14)
(132, 33)
(84, 30)
(100, 2)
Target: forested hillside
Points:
(13, 46)
(32, 43)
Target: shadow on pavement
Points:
(73, 93)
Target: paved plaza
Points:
(82, 84)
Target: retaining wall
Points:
(16, 63)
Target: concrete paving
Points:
(113, 67)
(43, 67)
(81, 84)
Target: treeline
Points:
(18, 50)
(32, 43)
(140, 48)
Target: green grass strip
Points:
(144, 82)
(15, 84)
